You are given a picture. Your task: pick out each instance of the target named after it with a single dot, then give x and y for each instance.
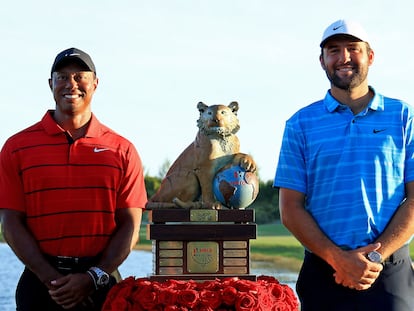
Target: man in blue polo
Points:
(345, 173)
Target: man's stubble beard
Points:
(348, 83)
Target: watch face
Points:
(103, 279)
(374, 256)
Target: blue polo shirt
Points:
(351, 168)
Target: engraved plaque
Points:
(171, 270)
(171, 253)
(171, 244)
(202, 257)
(167, 262)
(201, 243)
(235, 262)
(235, 270)
(203, 215)
(234, 253)
(234, 244)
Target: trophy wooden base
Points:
(201, 244)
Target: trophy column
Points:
(201, 244)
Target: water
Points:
(138, 264)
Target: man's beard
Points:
(350, 82)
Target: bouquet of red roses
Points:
(265, 294)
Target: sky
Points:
(157, 59)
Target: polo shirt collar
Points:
(95, 128)
(376, 103)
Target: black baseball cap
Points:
(73, 55)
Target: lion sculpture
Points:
(189, 181)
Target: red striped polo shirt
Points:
(69, 190)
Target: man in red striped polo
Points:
(71, 196)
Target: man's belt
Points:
(67, 264)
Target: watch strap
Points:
(93, 277)
(99, 276)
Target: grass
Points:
(275, 244)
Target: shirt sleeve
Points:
(291, 168)
(132, 192)
(409, 148)
(11, 188)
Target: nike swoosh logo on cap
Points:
(336, 28)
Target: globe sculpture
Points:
(235, 188)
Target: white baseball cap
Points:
(344, 27)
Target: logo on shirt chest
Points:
(97, 150)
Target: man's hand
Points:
(354, 270)
(72, 289)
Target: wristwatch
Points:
(99, 277)
(374, 256)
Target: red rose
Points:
(267, 279)
(123, 288)
(117, 303)
(143, 282)
(217, 295)
(230, 282)
(246, 286)
(229, 295)
(291, 298)
(167, 296)
(180, 284)
(116, 298)
(277, 292)
(202, 307)
(213, 285)
(286, 301)
(144, 295)
(265, 302)
(246, 302)
(187, 297)
(175, 308)
(210, 298)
